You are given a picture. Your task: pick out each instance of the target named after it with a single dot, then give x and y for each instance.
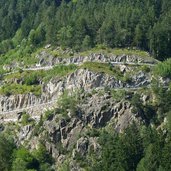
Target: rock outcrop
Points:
(63, 135)
(75, 135)
(46, 59)
(83, 79)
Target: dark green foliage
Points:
(26, 119)
(147, 111)
(11, 89)
(68, 104)
(163, 97)
(24, 161)
(43, 157)
(6, 150)
(137, 104)
(163, 69)
(138, 148)
(38, 160)
(31, 79)
(166, 156)
(81, 24)
(120, 152)
(153, 145)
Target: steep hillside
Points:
(85, 85)
(87, 111)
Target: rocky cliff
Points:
(47, 59)
(80, 79)
(97, 99)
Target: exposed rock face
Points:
(24, 133)
(72, 136)
(97, 111)
(87, 80)
(80, 79)
(69, 135)
(14, 102)
(82, 146)
(73, 133)
(47, 59)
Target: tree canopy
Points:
(82, 24)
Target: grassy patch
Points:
(163, 69)
(11, 89)
(60, 71)
(59, 52)
(20, 55)
(117, 51)
(102, 68)
(34, 77)
(118, 94)
(2, 71)
(109, 70)
(31, 79)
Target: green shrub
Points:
(60, 71)
(163, 69)
(127, 78)
(102, 68)
(11, 89)
(118, 94)
(24, 161)
(68, 104)
(146, 68)
(48, 114)
(31, 79)
(25, 119)
(6, 149)
(34, 77)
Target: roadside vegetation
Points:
(163, 69)
(14, 89)
(34, 77)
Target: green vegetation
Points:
(67, 104)
(107, 69)
(10, 89)
(118, 94)
(38, 160)
(60, 71)
(20, 54)
(138, 148)
(81, 25)
(24, 161)
(13, 159)
(102, 68)
(116, 51)
(6, 150)
(26, 119)
(2, 71)
(48, 115)
(34, 77)
(30, 80)
(163, 69)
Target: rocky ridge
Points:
(75, 134)
(47, 59)
(80, 79)
(72, 133)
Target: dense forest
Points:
(82, 24)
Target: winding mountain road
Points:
(52, 66)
